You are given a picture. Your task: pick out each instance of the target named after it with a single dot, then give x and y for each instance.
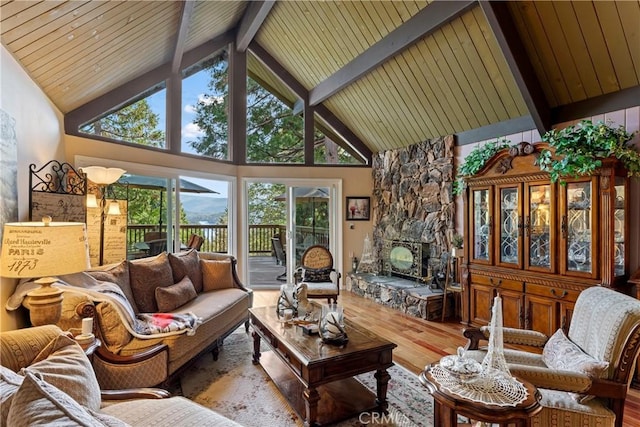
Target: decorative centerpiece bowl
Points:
(460, 367)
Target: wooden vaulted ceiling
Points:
(387, 73)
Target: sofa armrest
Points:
(135, 393)
(509, 335)
(118, 359)
(570, 381)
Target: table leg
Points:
(443, 416)
(311, 398)
(256, 348)
(382, 377)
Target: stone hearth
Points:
(408, 296)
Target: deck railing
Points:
(216, 237)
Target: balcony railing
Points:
(216, 237)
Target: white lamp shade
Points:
(102, 175)
(92, 202)
(38, 249)
(114, 208)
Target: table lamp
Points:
(44, 249)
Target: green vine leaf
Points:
(475, 161)
(580, 148)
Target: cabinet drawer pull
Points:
(562, 295)
(497, 284)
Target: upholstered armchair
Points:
(583, 377)
(316, 270)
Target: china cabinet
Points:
(538, 243)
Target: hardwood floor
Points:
(420, 342)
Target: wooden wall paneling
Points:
(619, 51)
(578, 48)
(440, 120)
(476, 67)
(629, 13)
(68, 16)
(554, 30)
(598, 50)
(58, 45)
(442, 91)
(543, 47)
(17, 12)
(477, 26)
(465, 94)
(534, 57)
(484, 110)
(220, 15)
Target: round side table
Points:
(448, 405)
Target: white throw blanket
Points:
(142, 325)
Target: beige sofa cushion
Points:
(171, 297)
(186, 263)
(38, 403)
(147, 274)
(112, 329)
(118, 274)
(562, 354)
(167, 413)
(216, 274)
(63, 364)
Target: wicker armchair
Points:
(605, 326)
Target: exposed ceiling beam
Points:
(422, 23)
(495, 130)
(141, 84)
(506, 34)
(356, 146)
(183, 32)
(251, 22)
(625, 98)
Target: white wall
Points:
(39, 134)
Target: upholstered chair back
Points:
(605, 324)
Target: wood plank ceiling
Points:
(482, 67)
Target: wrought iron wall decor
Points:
(57, 190)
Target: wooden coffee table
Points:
(316, 378)
(447, 405)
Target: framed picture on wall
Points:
(358, 208)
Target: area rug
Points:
(243, 392)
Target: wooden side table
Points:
(448, 405)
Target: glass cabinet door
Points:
(577, 228)
(539, 223)
(509, 230)
(481, 225)
(619, 233)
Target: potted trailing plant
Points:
(475, 161)
(578, 150)
(457, 241)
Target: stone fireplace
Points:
(413, 197)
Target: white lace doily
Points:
(487, 388)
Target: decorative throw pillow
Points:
(563, 354)
(172, 297)
(187, 263)
(316, 275)
(9, 384)
(216, 274)
(114, 334)
(147, 274)
(38, 403)
(118, 274)
(63, 364)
